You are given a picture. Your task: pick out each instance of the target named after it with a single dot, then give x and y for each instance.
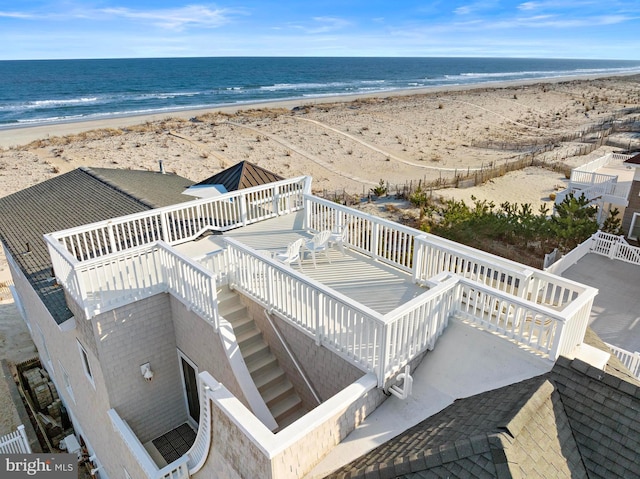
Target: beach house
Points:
(611, 181)
(631, 219)
(263, 332)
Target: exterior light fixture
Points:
(146, 372)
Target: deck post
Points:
(164, 222)
(319, 319)
(276, 201)
(243, 209)
(374, 241)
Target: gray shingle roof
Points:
(242, 175)
(153, 189)
(575, 421)
(76, 198)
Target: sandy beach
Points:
(349, 144)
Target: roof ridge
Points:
(522, 416)
(94, 174)
(620, 384)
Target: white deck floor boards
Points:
(372, 283)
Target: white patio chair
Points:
(339, 237)
(318, 244)
(292, 254)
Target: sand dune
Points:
(347, 144)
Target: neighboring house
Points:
(182, 353)
(610, 182)
(631, 219)
(237, 177)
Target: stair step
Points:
(292, 417)
(241, 324)
(248, 336)
(272, 383)
(225, 293)
(277, 392)
(269, 377)
(259, 365)
(285, 407)
(232, 311)
(254, 350)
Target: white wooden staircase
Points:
(275, 388)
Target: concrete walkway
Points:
(466, 361)
(615, 315)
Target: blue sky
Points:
(44, 29)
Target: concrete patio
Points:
(615, 315)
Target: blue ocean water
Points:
(47, 91)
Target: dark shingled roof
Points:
(153, 189)
(242, 175)
(634, 160)
(575, 421)
(82, 196)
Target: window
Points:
(634, 231)
(66, 382)
(85, 364)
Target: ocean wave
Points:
(165, 95)
(298, 86)
(60, 102)
(211, 82)
(543, 73)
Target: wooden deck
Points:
(368, 282)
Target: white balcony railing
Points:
(183, 222)
(553, 324)
(376, 343)
(114, 280)
(615, 247)
(629, 359)
(585, 180)
(382, 344)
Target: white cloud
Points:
(325, 25)
(466, 10)
(529, 6)
(15, 15)
(176, 18)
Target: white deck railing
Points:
(176, 470)
(15, 442)
(585, 180)
(426, 255)
(554, 323)
(542, 329)
(615, 247)
(629, 359)
(377, 343)
(117, 279)
(435, 255)
(378, 238)
(185, 221)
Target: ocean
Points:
(36, 92)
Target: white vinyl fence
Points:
(15, 442)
